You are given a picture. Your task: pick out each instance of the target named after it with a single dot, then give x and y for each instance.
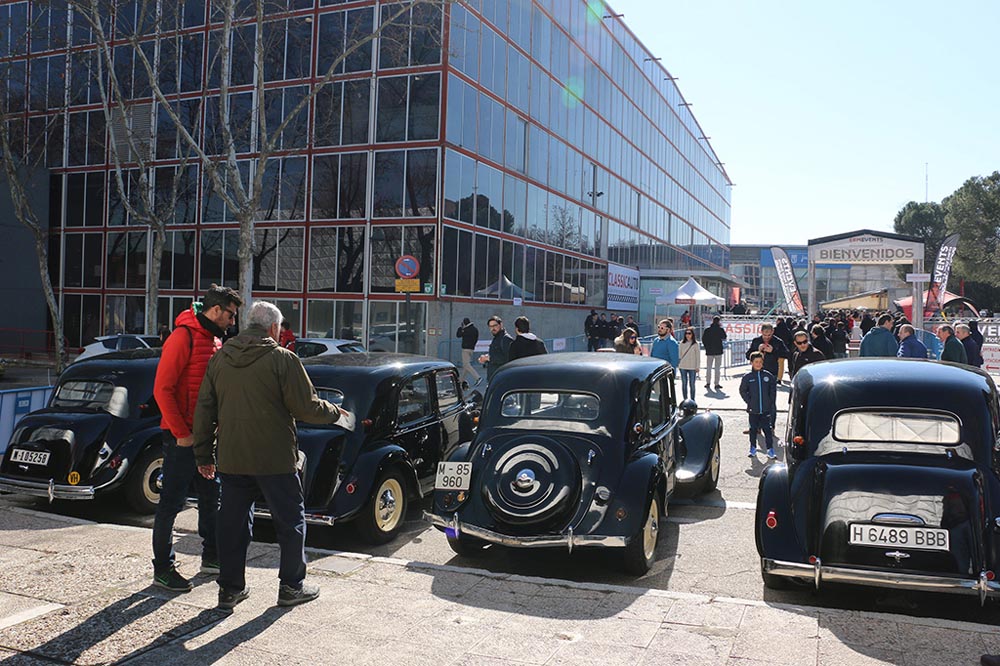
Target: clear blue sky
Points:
(825, 113)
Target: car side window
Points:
(414, 401)
(447, 389)
(130, 343)
(654, 405)
(307, 349)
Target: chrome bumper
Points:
(819, 573)
(46, 489)
(569, 540)
(311, 518)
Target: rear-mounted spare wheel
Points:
(532, 482)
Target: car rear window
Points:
(903, 427)
(88, 394)
(551, 405)
(351, 348)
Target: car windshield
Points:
(551, 405)
(91, 394)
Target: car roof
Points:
(114, 336)
(375, 364)
(330, 341)
(930, 384)
(577, 370)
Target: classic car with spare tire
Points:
(100, 433)
(576, 450)
(410, 415)
(891, 480)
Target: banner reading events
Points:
(786, 276)
(942, 268)
(623, 288)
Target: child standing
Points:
(759, 390)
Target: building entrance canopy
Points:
(866, 247)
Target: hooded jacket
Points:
(254, 391)
(879, 341)
(713, 339)
(823, 344)
(183, 362)
(526, 344)
(759, 390)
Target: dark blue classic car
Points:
(891, 479)
(576, 450)
(99, 433)
(411, 415)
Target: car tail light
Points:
(351, 488)
(798, 440)
(990, 575)
(771, 521)
(115, 462)
(812, 559)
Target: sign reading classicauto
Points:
(866, 249)
(623, 288)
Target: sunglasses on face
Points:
(801, 342)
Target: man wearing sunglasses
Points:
(804, 353)
(195, 339)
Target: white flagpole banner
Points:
(942, 268)
(786, 276)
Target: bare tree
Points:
(246, 132)
(26, 145)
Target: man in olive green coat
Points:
(953, 350)
(244, 428)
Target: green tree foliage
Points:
(926, 222)
(974, 212)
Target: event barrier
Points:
(14, 404)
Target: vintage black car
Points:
(576, 450)
(99, 433)
(891, 479)
(411, 415)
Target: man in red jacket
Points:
(196, 337)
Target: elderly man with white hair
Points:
(972, 350)
(244, 429)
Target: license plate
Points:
(881, 536)
(453, 476)
(29, 457)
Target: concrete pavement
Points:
(77, 592)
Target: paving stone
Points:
(337, 565)
(691, 641)
(633, 633)
(449, 631)
(860, 629)
(763, 619)
(833, 653)
(778, 648)
(105, 628)
(629, 606)
(702, 614)
(591, 654)
(938, 645)
(519, 646)
(66, 577)
(15, 608)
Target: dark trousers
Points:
(178, 473)
(761, 422)
(593, 344)
(283, 494)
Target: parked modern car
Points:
(576, 450)
(100, 433)
(121, 342)
(309, 347)
(411, 414)
(891, 479)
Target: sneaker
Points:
(752, 454)
(290, 596)
(229, 598)
(172, 580)
(718, 387)
(746, 432)
(210, 565)
(770, 454)
(708, 387)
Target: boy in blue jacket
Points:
(759, 390)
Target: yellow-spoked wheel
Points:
(640, 553)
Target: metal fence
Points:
(14, 404)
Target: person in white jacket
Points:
(689, 361)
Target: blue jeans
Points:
(687, 377)
(761, 422)
(178, 473)
(283, 494)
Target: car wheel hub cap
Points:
(387, 507)
(649, 534)
(525, 480)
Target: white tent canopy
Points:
(690, 293)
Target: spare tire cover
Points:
(532, 481)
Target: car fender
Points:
(129, 450)
(642, 479)
(368, 466)
(773, 494)
(698, 434)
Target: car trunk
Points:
(922, 518)
(71, 439)
(322, 448)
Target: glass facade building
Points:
(514, 147)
